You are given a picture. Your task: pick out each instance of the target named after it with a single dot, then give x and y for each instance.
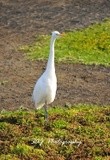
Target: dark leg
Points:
(46, 112)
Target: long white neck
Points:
(51, 64)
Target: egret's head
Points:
(55, 34)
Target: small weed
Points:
(60, 133)
(3, 82)
(61, 124)
(22, 150)
(9, 157)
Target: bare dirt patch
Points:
(21, 21)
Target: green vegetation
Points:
(74, 132)
(90, 46)
(77, 132)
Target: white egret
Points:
(45, 88)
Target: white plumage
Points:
(45, 88)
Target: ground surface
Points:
(21, 21)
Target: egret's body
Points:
(46, 86)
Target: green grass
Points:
(89, 46)
(78, 132)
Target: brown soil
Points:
(21, 21)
